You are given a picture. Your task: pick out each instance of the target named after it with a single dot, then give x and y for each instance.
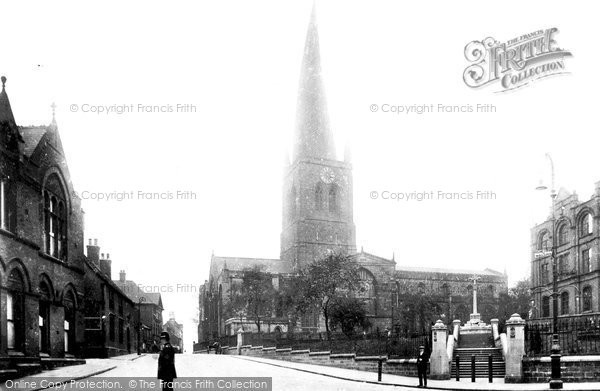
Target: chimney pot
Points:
(90, 242)
(95, 242)
(102, 256)
(107, 256)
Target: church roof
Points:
(32, 136)
(419, 269)
(371, 257)
(274, 266)
(313, 138)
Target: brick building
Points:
(148, 316)
(42, 261)
(175, 331)
(110, 315)
(317, 218)
(577, 239)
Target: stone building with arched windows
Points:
(317, 218)
(41, 247)
(576, 245)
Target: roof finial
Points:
(3, 78)
(53, 106)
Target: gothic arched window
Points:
(8, 215)
(55, 219)
(319, 196)
(543, 241)
(333, 198)
(367, 291)
(562, 234)
(585, 224)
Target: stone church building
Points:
(317, 218)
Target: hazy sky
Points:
(238, 62)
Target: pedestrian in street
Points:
(166, 362)
(422, 360)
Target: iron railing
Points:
(578, 335)
(362, 344)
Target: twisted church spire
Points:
(313, 137)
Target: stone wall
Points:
(573, 369)
(402, 367)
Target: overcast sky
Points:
(238, 62)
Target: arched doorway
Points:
(70, 304)
(15, 311)
(45, 302)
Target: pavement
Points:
(285, 375)
(412, 382)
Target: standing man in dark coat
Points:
(422, 360)
(166, 362)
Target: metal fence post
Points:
(379, 368)
(490, 369)
(457, 359)
(472, 368)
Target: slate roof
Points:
(418, 269)
(32, 135)
(274, 266)
(133, 291)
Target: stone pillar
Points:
(439, 365)
(515, 330)
(57, 331)
(495, 332)
(240, 340)
(456, 325)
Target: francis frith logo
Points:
(516, 62)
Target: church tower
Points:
(317, 188)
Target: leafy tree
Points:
(326, 279)
(290, 300)
(253, 297)
(348, 314)
(516, 300)
(417, 312)
(258, 290)
(237, 303)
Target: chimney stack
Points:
(105, 265)
(122, 276)
(93, 252)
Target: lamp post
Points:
(555, 379)
(139, 347)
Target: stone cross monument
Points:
(475, 316)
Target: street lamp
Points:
(555, 379)
(140, 301)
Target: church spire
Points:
(313, 138)
(9, 132)
(6, 114)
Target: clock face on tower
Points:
(327, 175)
